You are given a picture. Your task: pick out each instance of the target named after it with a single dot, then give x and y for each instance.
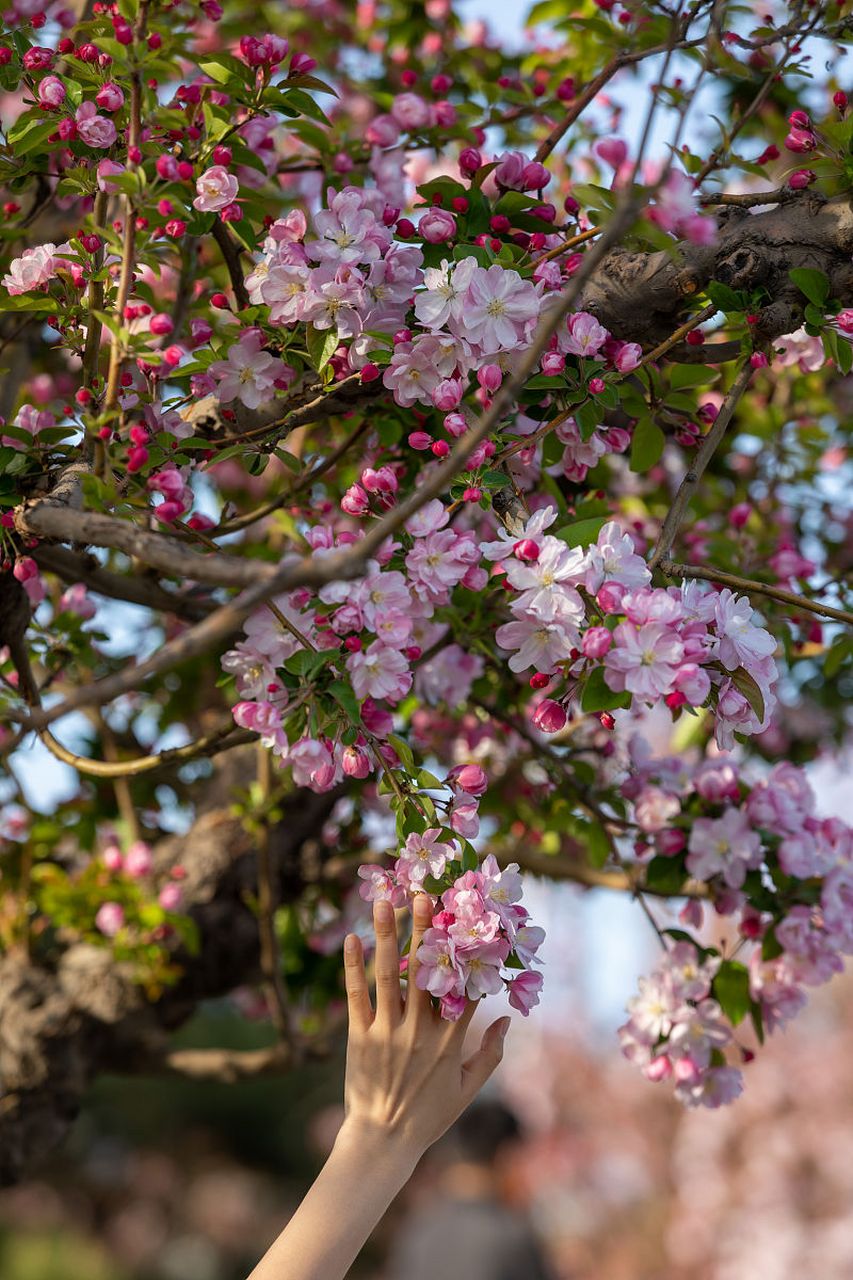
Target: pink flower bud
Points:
(470, 161)
(469, 778)
(800, 140)
(670, 842)
(161, 324)
(109, 918)
(739, 515)
(437, 226)
(369, 372)
(112, 858)
(802, 178)
(490, 377)
(526, 549)
(355, 501)
(420, 440)
(553, 364)
(658, 1069)
(596, 642)
(612, 151)
(355, 762)
(170, 897)
(840, 100)
(609, 597)
(549, 716)
(447, 394)
(109, 97)
(138, 861)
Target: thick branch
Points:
(45, 518)
(73, 567)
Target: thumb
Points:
(481, 1064)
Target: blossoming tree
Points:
(380, 373)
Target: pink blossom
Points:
(380, 886)
(379, 672)
(443, 297)
(500, 308)
(740, 641)
(643, 660)
(410, 112)
(583, 336)
(524, 991)
(437, 226)
(447, 677)
(138, 861)
(250, 373)
(75, 599)
(94, 130)
(726, 846)
(216, 188)
(313, 765)
(109, 918)
(35, 267)
(809, 953)
(613, 558)
(424, 855)
(439, 971)
(541, 644)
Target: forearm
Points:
(356, 1185)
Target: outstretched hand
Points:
(406, 1078)
(406, 1082)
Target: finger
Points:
(389, 1000)
(359, 1008)
(478, 1068)
(417, 1001)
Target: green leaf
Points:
(646, 445)
(731, 990)
(746, 684)
(345, 697)
(692, 375)
(404, 751)
(28, 134)
(470, 861)
(597, 844)
(839, 655)
(322, 345)
(582, 532)
(597, 696)
(225, 67)
(587, 417)
(725, 298)
(814, 284)
(665, 875)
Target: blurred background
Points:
(167, 1180)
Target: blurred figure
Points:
(468, 1230)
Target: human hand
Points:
(406, 1079)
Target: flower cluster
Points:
(480, 940)
(687, 646)
(765, 858)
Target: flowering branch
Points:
(753, 587)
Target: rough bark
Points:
(640, 296)
(60, 1027)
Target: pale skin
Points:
(407, 1080)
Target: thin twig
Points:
(750, 585)
(690, 483)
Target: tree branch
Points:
(346, 564)
(72, 567)
(690, 483)
(751, 586)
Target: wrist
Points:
(378, 1146)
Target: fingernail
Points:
(503, 1027)
(384, 912)
(350, 944)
